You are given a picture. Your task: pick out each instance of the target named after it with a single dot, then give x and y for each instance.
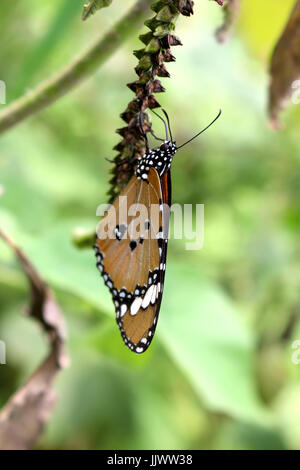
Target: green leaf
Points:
(243, 436)
(92, 6)
(34, 62)
(68, 268)
(209, 341)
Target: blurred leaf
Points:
(92, 6)
(285, 66)
(45, 46)
(23, 417)
(207, 338)
(67, 267)
(95, 409)
(83, 238)
(258, 33)
(287, 406)
(231, 10)
(241, 436)
(105, 340)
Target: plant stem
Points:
(81, 67)
(152, 57)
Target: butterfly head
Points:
(168, 147)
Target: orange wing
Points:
(132, 257)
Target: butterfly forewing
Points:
(132, 257)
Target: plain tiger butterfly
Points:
(133, 262)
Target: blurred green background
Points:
(219, 373)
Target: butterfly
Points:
(131, 249)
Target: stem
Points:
(81, 67)
(152, 57)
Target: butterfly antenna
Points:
(168, 121)
(203, 130)
(165, 124)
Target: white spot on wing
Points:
(148, 296)
(153, 297)
(123, 309)
(136, 305)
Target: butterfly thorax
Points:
(159, 158)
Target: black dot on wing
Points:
(141, 240)
(133, 245)
(147, 224)
(120, 231)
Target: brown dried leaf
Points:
(23, 418)
(285, 66)
(92, 6)
(185, 7)
(231, 10)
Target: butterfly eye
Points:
(164, 147)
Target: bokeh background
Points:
(219, 373)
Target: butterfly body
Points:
(159, 158)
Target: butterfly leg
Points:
(141, 121)
(155, 137)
